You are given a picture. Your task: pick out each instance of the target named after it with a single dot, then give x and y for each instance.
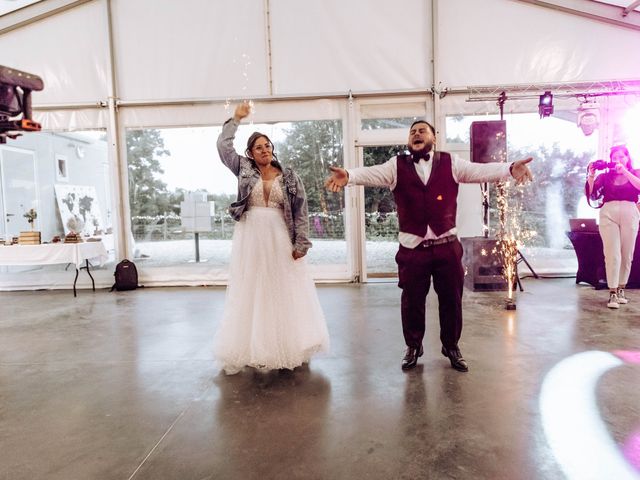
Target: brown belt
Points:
(437, 241)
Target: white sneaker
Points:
(613, 301)
(622, 300)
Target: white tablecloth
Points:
(53, 253)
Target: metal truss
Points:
(583, 90)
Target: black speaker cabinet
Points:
(489, 141)
(483, 269)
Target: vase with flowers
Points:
(31, 216)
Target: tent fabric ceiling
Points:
(500, 42)
(623, 3)
(315, 47)
(7, 6)
(198, 49)
(69, 51)
(190, 49)
(359, 45)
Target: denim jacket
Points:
(295, 207)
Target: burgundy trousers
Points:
(416, 268)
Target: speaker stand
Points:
(521, 258)
(484, 189)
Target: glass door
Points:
(380, 218)
(18, 182)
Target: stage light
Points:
(15, 102)
(588, 117)
(545, 106)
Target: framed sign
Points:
(62, 173)
(79, 209)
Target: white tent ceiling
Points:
(199, 49)
(203, 49)
(506, 42)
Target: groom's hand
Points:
(338, 179)
(520, 172)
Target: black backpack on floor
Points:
(126, 276)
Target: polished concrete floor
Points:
(123, 386)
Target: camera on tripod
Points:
(15, 102)
(603, 164)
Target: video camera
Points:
(602, 164)
(15, 102)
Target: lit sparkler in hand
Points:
(246, 62)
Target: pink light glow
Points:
(631, 449)
(630, 125)
(629, 356)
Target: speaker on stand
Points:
(489, 144)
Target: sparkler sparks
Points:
(511, 236)
(246, 62)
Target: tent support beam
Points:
(267, 29)
(630, 8)
(36, 12)
(116, 149)
(598, 11)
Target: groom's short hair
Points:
(433, 130)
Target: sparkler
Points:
(511, 235)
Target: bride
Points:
(272, 317)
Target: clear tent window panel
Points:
(561, 153)
(168, 165)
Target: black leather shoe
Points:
(410, 359)
(455, 357)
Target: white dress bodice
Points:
(276, 197)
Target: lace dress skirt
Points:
(272, 317)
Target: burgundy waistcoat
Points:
(432, 205)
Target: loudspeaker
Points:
(483, 268)
(489, 141)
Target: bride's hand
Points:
(242, 110)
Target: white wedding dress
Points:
(272, 317)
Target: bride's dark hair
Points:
(253, 139)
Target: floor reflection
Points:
(265, 415)
(579, 438)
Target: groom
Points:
(425, 187)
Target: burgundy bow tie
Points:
(416, 157)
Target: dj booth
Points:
(591, 270)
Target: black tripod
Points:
(520, 258)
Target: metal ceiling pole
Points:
(116, 150)
(267, 28)
(599, 11)
(435, 66)
(630, 8)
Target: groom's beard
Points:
(422, 152)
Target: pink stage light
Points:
(631, 450)
(630, 126)
(629, 356)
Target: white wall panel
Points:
(498, 42)
(69, 51)
(80, 119)
(190, 49)
(217, 113)
(359, 45)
